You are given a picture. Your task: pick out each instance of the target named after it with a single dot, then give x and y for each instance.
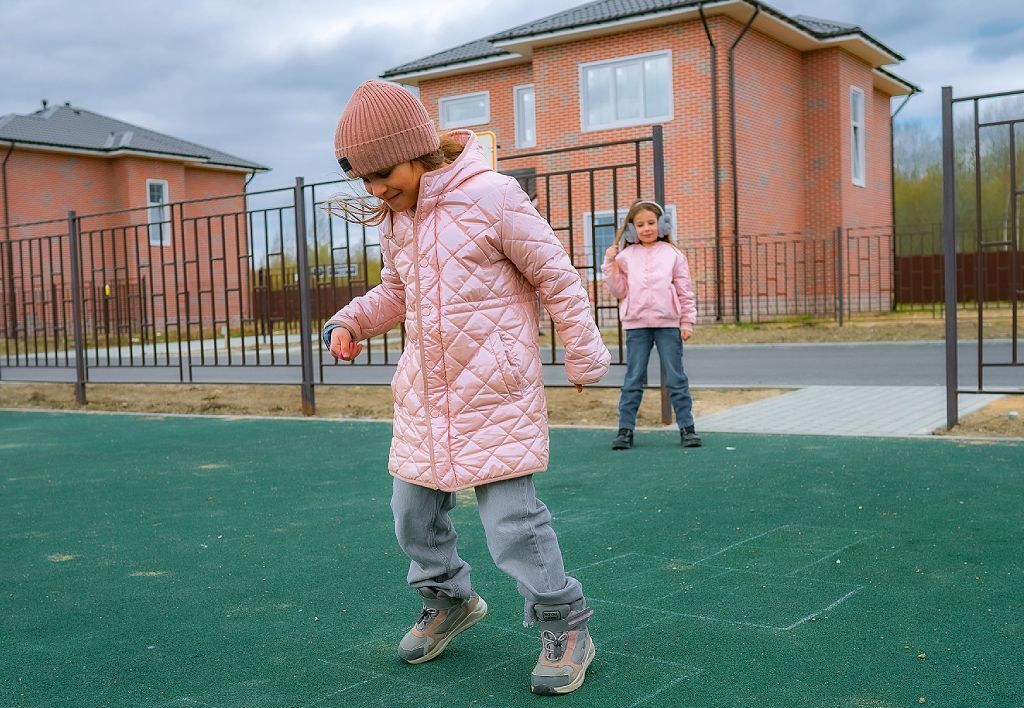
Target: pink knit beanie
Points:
(382, 125)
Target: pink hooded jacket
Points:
(462, 271)
(654, 285)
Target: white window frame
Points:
(157, 214)
(858, 137)
(646, 120)
(588, 229)
(518, 119)
(486, 118)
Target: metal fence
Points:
(235, 288)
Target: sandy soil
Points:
(865, 328)
(994, 420)
(597, 406)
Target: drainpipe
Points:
(11, 320)
(892, 191)
(719, 265)
(732, 145)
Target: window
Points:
(525, 116)
(857, 136)
(599, 233)
(156, 200)
(468, 109)
(622, 92)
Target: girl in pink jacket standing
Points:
(464, 253)
(652, 279)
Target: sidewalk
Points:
(876, 411)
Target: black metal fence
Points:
(219, 289)
(995, 262)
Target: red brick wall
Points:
(499, 82)
(822, 145)
(867, 205)
(792, 135)
(770, 126)
(142, 278)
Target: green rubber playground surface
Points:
(148, 561)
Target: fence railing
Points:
(219, 288)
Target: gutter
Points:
(719, 264)
(3, 172)
(892, 188)
(735, 177)
(11, 318)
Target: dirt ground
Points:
(865, 328)
(595, 406)
(1002, 419)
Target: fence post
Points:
(839, 274)
(658, 146)
(305, 330)
(11, 305)
(949, 253)
(76, 306)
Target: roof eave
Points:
(191, 160)
(770, 22)
(861, 45)
(890, 83)
(413, 78)
(524, 44)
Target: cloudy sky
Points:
(267, 80)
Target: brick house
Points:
(791, 113)
(137, 260)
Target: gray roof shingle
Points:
(71, 127)
(825, 28)
(598, 12)
(478, 49)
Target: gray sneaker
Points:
(440, 621)
(566, 648)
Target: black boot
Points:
(688, 437)
(624, 440)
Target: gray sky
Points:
(267, 80)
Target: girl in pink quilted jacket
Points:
(651, 277)
(464, 254)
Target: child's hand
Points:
(685, 333)
(342, 346)
(612, 251)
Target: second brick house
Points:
(773, 124)
(162, 225)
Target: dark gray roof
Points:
(825, 28)
(591, 14)
(70, 127)
(478, 49)
(599, 12)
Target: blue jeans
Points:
(638, 352)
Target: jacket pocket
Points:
(673, 301)
(489, 379)
(510, 360)
(511, 380)
(402, 381)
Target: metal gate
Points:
(994, 272)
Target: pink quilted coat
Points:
(462, 271)
(654, 285)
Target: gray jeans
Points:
(519, 537)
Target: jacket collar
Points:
(469, 164)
